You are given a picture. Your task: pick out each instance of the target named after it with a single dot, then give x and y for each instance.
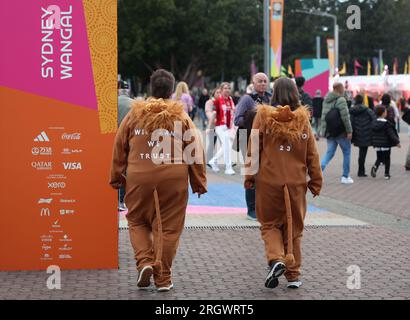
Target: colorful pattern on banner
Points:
(316, 72)
(276, 28)
(331, 55)
(58, 83)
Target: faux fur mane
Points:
(284, 123)
(156, 114)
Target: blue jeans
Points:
(346, 147)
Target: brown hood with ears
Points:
(283, 122)
(156, 114)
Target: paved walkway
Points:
(221, 253)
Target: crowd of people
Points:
(281, 129)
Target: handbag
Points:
(406, 116)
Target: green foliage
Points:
(219, 37)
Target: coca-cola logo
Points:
(71, 136)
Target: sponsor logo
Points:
(65, 256)
(67, 151)
(56, 176)
(64, 212)
(65, 238)
(48, 201)
(42, 137)
(46, 238)
(41, 165)
(67, 201)
(65, 248)
(72, 166)
(45, 212)
(46, 256)
(56, 224)
(71, 136)
(56, 185)
(46, 247)
(42, 151)
(56, 231)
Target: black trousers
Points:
(384, 157)
(362, 160)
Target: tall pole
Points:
(336, 44)
(328, 15)
(317, 47)
(266, 27)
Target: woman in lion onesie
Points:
(278, 167)
(157, 150)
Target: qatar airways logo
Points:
(56, 42)
(71, 136)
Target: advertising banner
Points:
(276, 31)
(58, 97)
(316, 72)
(331, 55)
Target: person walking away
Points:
(201, 107)
(391, 114)
(124, 106)
(244, 114)
(337, 128)
(362, 119)
(317, 105)
(211, 137)
(157, 182)
(384, 137)
(225, 108)
(285, 155)
(304, 96)
(182, 94)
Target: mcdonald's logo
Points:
(45, 212)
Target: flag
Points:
(381, 62)
(408, 65)
(276, 35)
(343, 70)
(405, 68)
(369, 68)
(290, 71)
(283, 71)
(331, 55)
(366, 100)
(356, 66)
(395, 66)
(376, 66)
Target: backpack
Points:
(334, 123)
(406, 116)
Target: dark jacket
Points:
(317, 107)
(334, 100)
(362, 118)
(305, 98)
(384, 134)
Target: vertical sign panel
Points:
(57, 124)
(276, 30)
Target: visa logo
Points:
(72, 166)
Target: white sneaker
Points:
(348, 180)
(144, 277)
(122, 207)
(165, 289)
(214, 166)
(294, 284)
(229, 172)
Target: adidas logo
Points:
(42, 137)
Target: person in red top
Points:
(225, 108)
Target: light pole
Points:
(336, 27)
